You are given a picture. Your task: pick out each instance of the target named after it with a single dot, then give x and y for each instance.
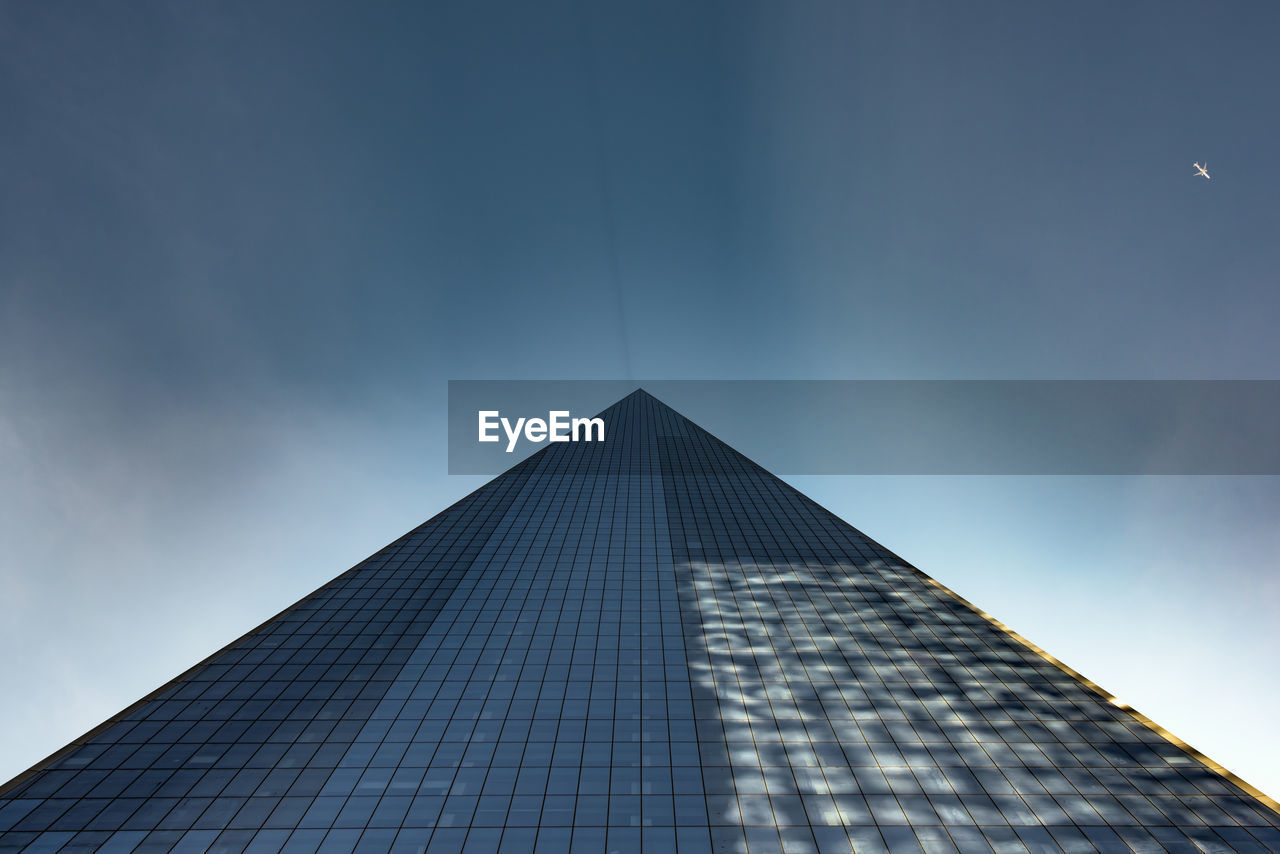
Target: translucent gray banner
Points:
(1204, 427)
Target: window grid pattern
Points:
(650, 644)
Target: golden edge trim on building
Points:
(1109, 697)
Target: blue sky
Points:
(243, 248)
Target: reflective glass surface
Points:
(650, 644)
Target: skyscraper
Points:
(646, 644)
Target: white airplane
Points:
(1200, 170)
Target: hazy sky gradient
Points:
(243, 247)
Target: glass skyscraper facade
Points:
(650, 644)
